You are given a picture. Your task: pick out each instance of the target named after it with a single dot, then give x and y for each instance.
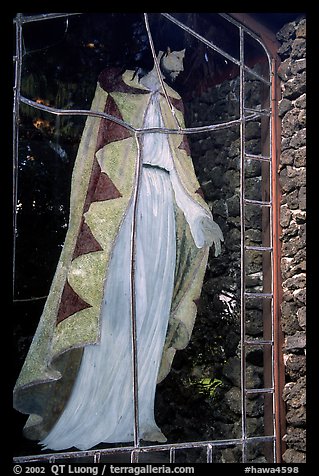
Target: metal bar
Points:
(85, 112)
(16, 117)
(267, 259)
(262, 112)
(258, 248)
(108, 451)
(258, 342)
(259, 390)
(249, 25)
(172, 455)
(134, 456)
(242, 248)
(258, 295)
(30, 299)
(133, 294)
(258, 157)
(150, 40)
(145, 449)
(248, 31)
(209, 458)
(44, 16)
(257, 202)
(201, 38)
(76, 112)
(215, 48)
(279, 368)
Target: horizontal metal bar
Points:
(257, 157)
(30, 299)
(259, 390)
(257, 202)
(145, 449)
(258, 248)
(258, 342)
(75, 112)
(125, 449)
(259, 295)
(262, 112)
(85, 112)
(43, 16)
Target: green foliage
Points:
(206, 386)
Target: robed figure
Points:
(77, 380)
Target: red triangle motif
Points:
(105, 189)
(86, 243)
(70, 303)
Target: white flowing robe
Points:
(101, 408)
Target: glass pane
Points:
(258, 318)
(257, 180)
(153, 457)
(124, 457)
(191, 455)
(258, 271)
(257, 137)
(260, 420)
(260, 452)
(190, 402)
(256, 92)
(200, 399)
(227, 454)
(64, 57)
(208, 80)
(259, 363)
(214, 28)
(255, 56)
(257, 225)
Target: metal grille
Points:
(265, 207)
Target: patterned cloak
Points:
(103, 182)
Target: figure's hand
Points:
(206, 232)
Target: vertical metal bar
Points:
(150, 40)
(279, 372)
(209, 458)
(134, 456)
(267, 265)
(16, 116)
(133, 293)
(242, 245)
(172, 455)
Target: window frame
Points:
(266, 39)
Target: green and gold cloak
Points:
(103, 184)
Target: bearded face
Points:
(172, 63)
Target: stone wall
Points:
(292, 110)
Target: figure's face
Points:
(172, 63)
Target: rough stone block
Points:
(293, 456)
(295, 87)
(295, 366)
(301, 315)
(284, 106)
(295, 342)
(301, 29)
